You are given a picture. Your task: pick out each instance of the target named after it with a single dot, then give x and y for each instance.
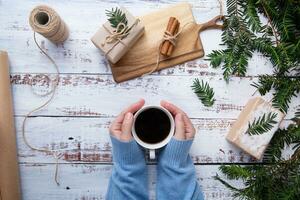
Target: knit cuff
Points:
(176, 151)
(126, 152)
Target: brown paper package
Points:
(117, 51)
(9, 171)
(254, 145)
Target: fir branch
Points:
(270, 21)
(287, 26)
(265, 84)
(216, 57)
(285, 88)
(262, 124)
(217, 177)
(252, 17)
(115, 17)
(204, 92)
(240, 37)
(235, 172)
(274, 150)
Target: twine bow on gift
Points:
(119, 33)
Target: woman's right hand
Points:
(184, 129)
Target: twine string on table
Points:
(52, 92)
(167, 36)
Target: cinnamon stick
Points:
(171, 47)
(164, 46)
(172, 28)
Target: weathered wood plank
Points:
(87, 182)
(79, 55)
(99, 95)
(96, 95)
(83, 140)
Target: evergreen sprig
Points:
(278, 40)
(204, 92)
(265, 182)
(263, 124)
(284, 89)
(115, 17)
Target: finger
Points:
(126, 127)
(116, 125)
(171, 107)
(189, 128)
(179, 127)
(115, 129)
(134, 107)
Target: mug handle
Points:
(152, 154)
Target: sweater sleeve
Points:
(129, 175)
(176, 176)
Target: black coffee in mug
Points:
(152, 125)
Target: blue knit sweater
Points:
(176, 178)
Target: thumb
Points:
(179, 127)
(126, 127)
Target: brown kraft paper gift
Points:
(255, 145)
(9, 172)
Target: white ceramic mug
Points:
(152, 147)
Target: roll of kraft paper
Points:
(9, 171)
(45, 21)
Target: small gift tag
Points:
(115, 42)
(255, 127)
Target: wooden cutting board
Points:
(142, 57)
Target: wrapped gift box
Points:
(254, 145)
(115, 50)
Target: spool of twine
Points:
(45, 21)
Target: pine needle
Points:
(262, 124)
(204, 92)
(115, 17)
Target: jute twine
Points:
(167, 36)
(45, 21)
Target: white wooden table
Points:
(88, 99)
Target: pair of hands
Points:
(121, 127)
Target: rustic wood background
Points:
(88, 99)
